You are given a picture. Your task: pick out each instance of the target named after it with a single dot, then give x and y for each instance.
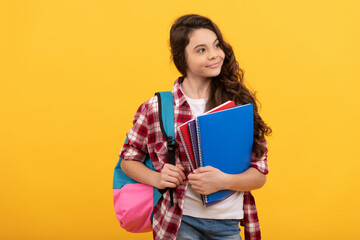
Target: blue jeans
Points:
(192, 228)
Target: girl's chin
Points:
(214, 73)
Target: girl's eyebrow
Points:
(203, 44)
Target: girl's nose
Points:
(213, 55)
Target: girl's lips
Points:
(214, 65)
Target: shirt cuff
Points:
(130, 153)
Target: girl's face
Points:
(203, 54)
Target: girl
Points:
(210, 77)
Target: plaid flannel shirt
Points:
(146, 137)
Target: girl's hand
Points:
(171, 176)
(206, 180)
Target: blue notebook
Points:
(193, 129)
(225, 141)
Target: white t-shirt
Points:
(230, 208)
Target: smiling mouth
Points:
(214, 65)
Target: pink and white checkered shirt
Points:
(146, 137)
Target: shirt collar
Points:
(179, 97)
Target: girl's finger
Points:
(169, 185)
(193, 176)
(179, 171)
(197, 189)
(180, 166)
(174, 177)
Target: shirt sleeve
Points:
(136, 147)
(260, 163)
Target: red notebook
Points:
(185, 139)
(224, 106)
(185, 134)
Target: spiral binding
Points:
(186, 148)
(201, 154)
(194, 147)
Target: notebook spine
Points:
(193, 144)
(201, 154)
(186, 148)
(198, 134)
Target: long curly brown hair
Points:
(229, 84)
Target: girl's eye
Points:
(203, 49)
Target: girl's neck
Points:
(196, 88)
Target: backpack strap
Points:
(166, 113)
(167, 121)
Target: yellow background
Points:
(74, 72)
